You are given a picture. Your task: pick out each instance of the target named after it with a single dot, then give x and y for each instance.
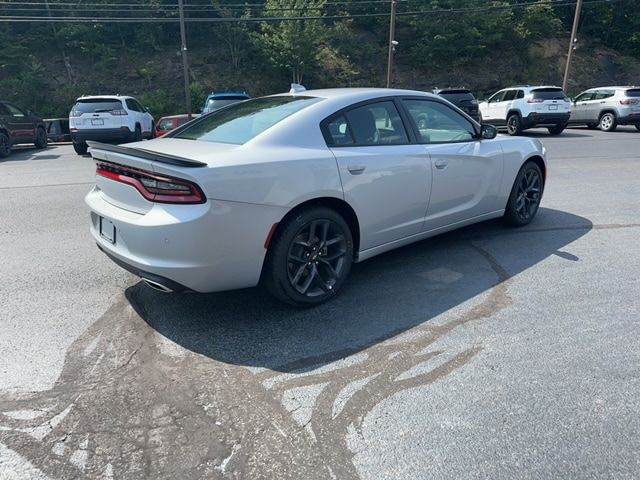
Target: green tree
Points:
(292, 44)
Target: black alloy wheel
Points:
(514, 124)
(41, 138)
(525, 196)
(310, 257)
(5, 146)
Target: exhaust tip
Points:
(157, 286)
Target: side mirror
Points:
(487, 131)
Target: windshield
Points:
(549, 94)
(458, 96)
(95, 105)
(243, 121)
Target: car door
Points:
(21, 126)
(385, 178)
(493, 108)
(466, 171)
(579, 112)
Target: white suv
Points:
(108, 118)
(521, 107)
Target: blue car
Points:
(214, 101)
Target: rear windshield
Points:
(549, 94)
(96, 105)
(243, 121)
(216, 103)
(633, 93)
(458, 96)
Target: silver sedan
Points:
(287, 191)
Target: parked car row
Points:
(19, 127)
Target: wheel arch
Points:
(337, 204)
(607, 110)
(540, 163)
(511, 111)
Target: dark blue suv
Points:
(214, 101)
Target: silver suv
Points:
(607, 107)
(526, 106)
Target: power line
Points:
(72, 19)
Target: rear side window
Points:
(548, 94)
(338, 132)
(132, 105)
(633, 92)
(96, 105)
(243, 121)
(602, 94)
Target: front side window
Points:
(437, 123)
(14, 111)
(510, 95)
(497, 97)
(243, 121)
(583, 97)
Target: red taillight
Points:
(74, 113)
(118, 113)
(155, 188)
(629, 101)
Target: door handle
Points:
(441, 164)
(356, 169)
(603, 101)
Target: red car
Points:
(166, 124)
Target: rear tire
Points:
(310, 257)
(41, 138)
(5, 146)
(152, 133)
(608, 122)
(514, 124)
(556, 130)
(137, 134)
(637, 126)
(80, 148)
(525, 196)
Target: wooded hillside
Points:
(55, 50)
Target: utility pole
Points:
(572, 44)
(185, 63)
(392, 42)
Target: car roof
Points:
(614, 87)
(106, 97)
(180, 115)
(356, 93)
(227, 94)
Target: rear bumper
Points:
(208, 247)
(545, 119)
(106, 135)
(631, 119)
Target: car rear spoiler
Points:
(147, 155)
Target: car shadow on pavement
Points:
(416, 286)
(20, 153)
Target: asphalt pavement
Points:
(483, 353)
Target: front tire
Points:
(310, 258)
(557, 129)
(80, 148)
(41, 138)
(608, 122)
(525, 196)
(514, 124)
(137, 134)
(637, 126)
